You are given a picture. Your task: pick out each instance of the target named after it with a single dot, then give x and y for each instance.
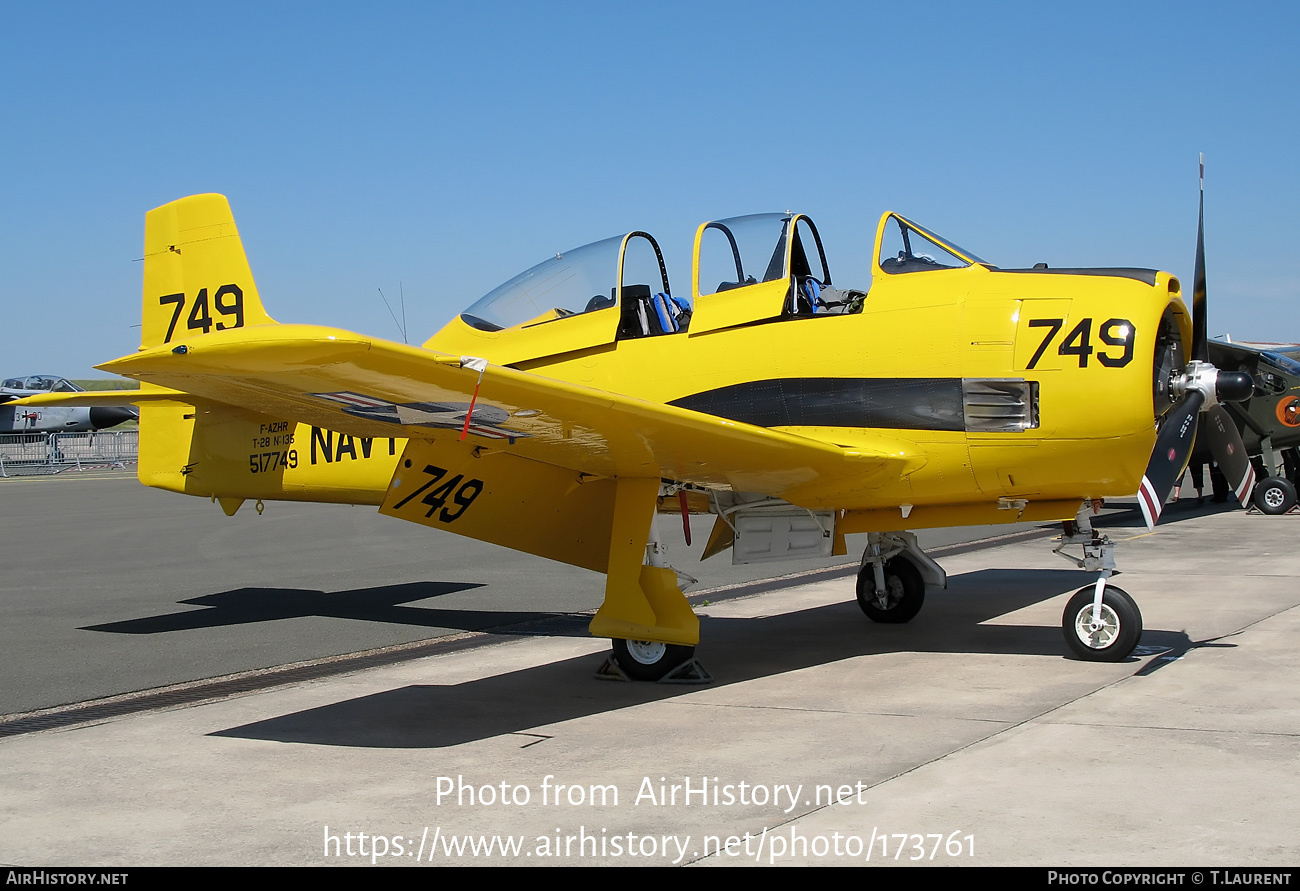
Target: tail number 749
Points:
(228, 301)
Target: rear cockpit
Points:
(776, 260)
(625, 271)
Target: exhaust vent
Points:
(994, 405)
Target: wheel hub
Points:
(1274, 497)
(647, 652)
(1097, 635)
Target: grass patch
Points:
(106, 383)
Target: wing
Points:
(368, 387)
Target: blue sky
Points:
(443, 148)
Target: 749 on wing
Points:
(462, 493)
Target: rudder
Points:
(196, 276)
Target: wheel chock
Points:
(610, 671)
(689, 672)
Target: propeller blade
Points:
(1200, 345)
(1169, 457)
(1229, 452)
(1178, 431)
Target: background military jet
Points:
(1269, 420)
(54, 419)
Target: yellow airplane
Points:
(566, 409)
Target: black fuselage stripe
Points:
(888, 403)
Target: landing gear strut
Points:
(1108, 635)
(1101, 622)
(897, 597)
(652, 627)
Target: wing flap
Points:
(368, 387)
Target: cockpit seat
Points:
(600, 301)
(647, 315)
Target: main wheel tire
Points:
(648, 660)
(1117, 635)
(1274, 495)
(904, 592)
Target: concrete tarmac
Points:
(965, 737)
(108, 587)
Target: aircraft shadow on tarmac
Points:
(1174, 512)
(382, 604)
(737, 650)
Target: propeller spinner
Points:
(1200, 388)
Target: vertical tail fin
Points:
(196, 281)
(196, 277)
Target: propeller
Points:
(1200, 389)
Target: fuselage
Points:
(895, 373)
(994, 394)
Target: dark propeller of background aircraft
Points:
(54, 419)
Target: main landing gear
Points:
(893, 577)
(1276, 491)
(1101, 623)
(652, 627)
(648, 660)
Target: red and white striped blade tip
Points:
(1150, 502)
(1247, 485)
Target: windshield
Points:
(906, 247)
(1282, 362)
(579, 281)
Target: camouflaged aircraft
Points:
(1269, 420)
(53, 419)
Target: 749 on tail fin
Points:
(196, 276)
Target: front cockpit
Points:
(903, 246)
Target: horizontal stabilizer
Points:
(100, 398)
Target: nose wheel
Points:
(1105, 634)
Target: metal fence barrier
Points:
(27, 454)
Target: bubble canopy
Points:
(585, 279)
